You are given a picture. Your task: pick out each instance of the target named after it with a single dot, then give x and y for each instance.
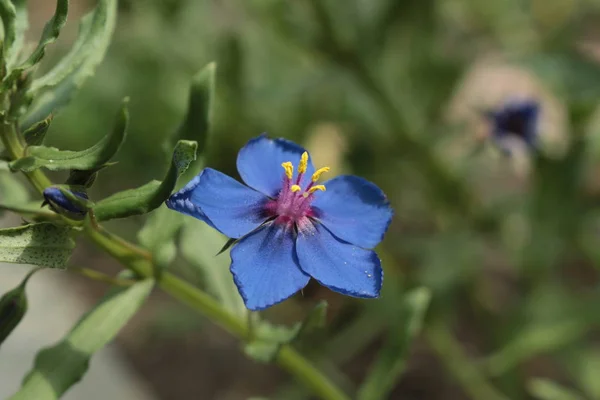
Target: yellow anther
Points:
(295, 188)
(316, 187)
(303, 163)
(289, 169)
(318, 173)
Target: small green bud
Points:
(13, 306)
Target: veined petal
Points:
(354, 209)
(265, 267)
(259, 163)
(341, 266)
(222, 202)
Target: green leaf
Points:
(150, 196)
(49, 35)
(58, 368)
(21, 24)
(196, 124)
(392, 359)
(55, 89)
(545, 389)
(8, 15)
(162, 225)
(41, 244)
(94, 157)
(35, 135)
(13, 307)
(267, 338)
(199, 246)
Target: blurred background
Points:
(392, 90)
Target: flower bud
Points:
(61, 204)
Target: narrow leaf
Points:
(8, 15)
(150, 196)
(21, 23)
(35, 135)
(49, 35)
(392, 358)
(94, 157)
(544, 389)
(196, 124)
(13, 307)
(55, 89)
(41, 244)
(58, 368)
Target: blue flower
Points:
(289, 227)
(60, 204)
(518, 119)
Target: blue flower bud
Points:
(61, 204)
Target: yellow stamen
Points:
(289, 169)
(303, 163)
(295, 188)
(318, 173)
(316, 187)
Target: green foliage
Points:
(380, 88)
(41, 244)
(49, 35)
(55, 89)
(35, 135)
(266, 338)
(159, 232)
(94, 157)
(150, 196)
(13, 307)
(59, 367)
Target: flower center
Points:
(292, 205)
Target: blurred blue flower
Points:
(517, 119)
(60, 204)
(289, 228)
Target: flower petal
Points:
(259, 163)
(340, 266)
(265, 267)
(222, 202)
(354, 209)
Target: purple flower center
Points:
(293, 203)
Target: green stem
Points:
(139, 261)
(11, 140)
(288, 358)
(100, 277)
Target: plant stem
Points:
(139, 261)
(100, 277)
(288, 358)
